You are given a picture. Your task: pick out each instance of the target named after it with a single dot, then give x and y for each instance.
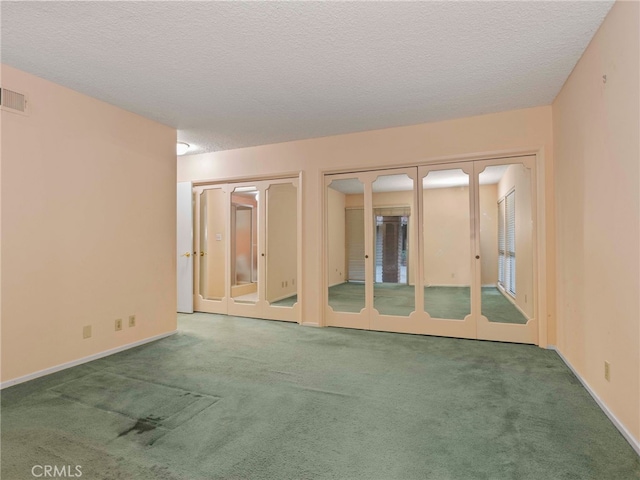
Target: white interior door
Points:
(184, 250)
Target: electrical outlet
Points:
(86, 331)
(607, 371)
(118, 324)
(132, 320)
(293, 281)
(286, 284)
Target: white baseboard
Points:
(80, 361)
(310, 324)
(635, 444)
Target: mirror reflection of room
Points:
(394, 285)
(282, 245)
(447, 244)
(244, 244)
(506, 240)
(212, 244)
(346, 245)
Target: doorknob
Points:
(187, 254)
(477, 257)
(202, 254)
(366, 256)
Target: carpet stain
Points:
(142, 425)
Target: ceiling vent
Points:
(14, 102)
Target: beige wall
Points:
(517, 130)
(447, 236)
(519, 178)
(88, 227)
(489, 234)
(282, 241)
(597, 156)
(337, 261)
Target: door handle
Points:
(202, 254)
(187, 254)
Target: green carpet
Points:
(286, 302)
(238, 398)
(441, 302)
(448, 302)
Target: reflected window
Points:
(394, 284)
(507, 242)
(505, 224)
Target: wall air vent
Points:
(11, 101)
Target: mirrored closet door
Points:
(371, 239)
(247, 244)
(505, 242)
(443, 249)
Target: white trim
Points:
(80, 361)
(311, 324)
(635, 444)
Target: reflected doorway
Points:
(244, 244)
(391, 249)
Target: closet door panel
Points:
(211, 246)
(345, 251)
(281, 248)
(446, 244)
(505, 245)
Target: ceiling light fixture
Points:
(182, 148)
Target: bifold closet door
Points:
(247, 249)
(211, 249)
(505, 250)
(347, 198)
(371, 249)
(245, 272)
(447, 269)
(445, 249)
(280, 250)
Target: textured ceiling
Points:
(235, 74)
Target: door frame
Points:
(184, 246)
